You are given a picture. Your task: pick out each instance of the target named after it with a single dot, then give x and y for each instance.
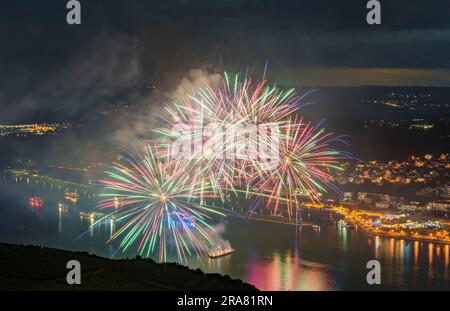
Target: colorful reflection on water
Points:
(288, 272)
(269, 256)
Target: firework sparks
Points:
(161, 195)
(305, 160)
(306, 166)
(158, 206)
(224, 118)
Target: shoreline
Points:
(409, 238)
(29, 267)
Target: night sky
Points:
(130, 43)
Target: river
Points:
(268, 255)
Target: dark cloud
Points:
(81, 83)
(131, 42)
(324, 32)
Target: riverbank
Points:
(40, 268)
(399, 237)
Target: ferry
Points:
(63, 207)
(220, 252)
(36, 202)
(72, 197)
(349, 224)
(91, 215)
(182, 220)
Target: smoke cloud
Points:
(219, 231)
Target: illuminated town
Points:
(39, 129)
(224, 145)
(428, 170)
(419, 184)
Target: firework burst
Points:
(306, 166)
(216, 116)
(305, 159)
(159, 207)
(161, 194)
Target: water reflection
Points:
(377, 246)
(112, 228)
(446, 249)
(391, 250)
(329, 259)
(419, 261)
(59, 220)
(288, 272)
(416, 254)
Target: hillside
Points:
(39, 268)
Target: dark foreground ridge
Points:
(40, 268)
